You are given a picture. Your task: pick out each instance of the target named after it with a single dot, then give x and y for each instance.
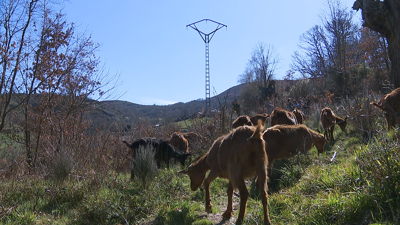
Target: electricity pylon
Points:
(207, 38)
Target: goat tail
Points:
(258, 133)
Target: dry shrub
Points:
(314, 117)
(208, 129)
(143, 166)
(61, 165)
(361, 114)
(302, 88)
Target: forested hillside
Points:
(131, 113)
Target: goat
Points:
(282, 116)
(234, 156)
(390, 104)
(179, 141)
(284, 141)
(241, 121)
(263, 117)
(250, 121)
(299, 115)
(328, 121)
(164, 151)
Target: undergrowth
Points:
(355, 181)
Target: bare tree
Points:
(314, 61)
(260, 71)
(16, 19)
(326, 48)
(50, 76)
(384, 17)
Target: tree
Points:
(384, 18)
(259, 72)
(16, 17)
(50, 75)
(326, 48)
(376, 64)
(313, 63)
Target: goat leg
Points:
(244, 195)
(263, 185)
(229, 210)
(211, 176)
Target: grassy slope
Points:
(318, 192)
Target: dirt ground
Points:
(217, 218)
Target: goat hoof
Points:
(227, 214)
(209, 208)
(238, 222)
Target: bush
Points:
(362, 115)
(62, 165)
(144, 166)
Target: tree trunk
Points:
(384, 17)
(394, 55)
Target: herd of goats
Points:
(249, 149)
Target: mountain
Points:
(127, 112)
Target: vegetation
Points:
(143, 166)
(351, 188)
(62, 160)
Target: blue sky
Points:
(161, 61)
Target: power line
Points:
(207, 38)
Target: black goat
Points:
(164, 151)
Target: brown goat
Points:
(299, 115)
(179, 141)
(328, 121)
(284, 141)
(241, 121)
(235, 156)
(390, 104)
(282, 116)
(263, 117)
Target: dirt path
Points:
(217, 218)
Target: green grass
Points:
(361, 185)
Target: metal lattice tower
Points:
(207, 38)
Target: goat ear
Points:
(183, 172)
